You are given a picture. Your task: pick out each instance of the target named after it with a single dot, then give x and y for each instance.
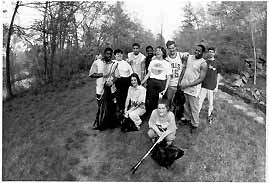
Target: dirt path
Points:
(49, 137)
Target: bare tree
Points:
(10, 31)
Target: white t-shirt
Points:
(162, 122)
(159, 69)
(192, 73)
(136, 95)
(99, 66)
(176, 65)
(136, 61)
(124, 69)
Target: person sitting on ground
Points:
(136, 98)
(162, 123)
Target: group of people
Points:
(147, 85)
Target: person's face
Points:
(198, 52)
(159, 53)
(211, 53)
(149, 52)
(136, 50)
(108, 56)
(118, 56)
(172, 49)
(134, 81)
(162, 109)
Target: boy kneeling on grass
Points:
(162, 123)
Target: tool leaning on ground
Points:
(135, 167)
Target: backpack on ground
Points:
(166, 155)
(127, 125)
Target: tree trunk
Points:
(75, 32)
(45, 42)
(254, 51)
(10, 31)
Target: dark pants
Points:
(98, 96)
(154, 87)
(122, 85)
(106, 114)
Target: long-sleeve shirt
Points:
(164, 123)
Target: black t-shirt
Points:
(147, 62)
(210, 81)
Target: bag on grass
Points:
(128, 125)
(165, 156)
(106, 112)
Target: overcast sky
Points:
(154, 13)
(150, 13)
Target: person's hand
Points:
(109, 83)
(105, 75)
(182, 86)
(130, 62)
(162, 136)
(163, 92)
(185, 56)
(159, 133)
(215, 90)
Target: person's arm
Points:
(218, 76)
(96, 75)
(184, 59)
(143, 65)
(130, 69)
(152, 123)
(127, 100)
(148, 74)
(145, 78)
(203, 69)
(94, 71)
(172, 126)
(217, 85)
(129, 59)
(168, 78)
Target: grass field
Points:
(49, 137)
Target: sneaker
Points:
(185, 121)
(210, 119)
(137, 128)
(194, 129)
